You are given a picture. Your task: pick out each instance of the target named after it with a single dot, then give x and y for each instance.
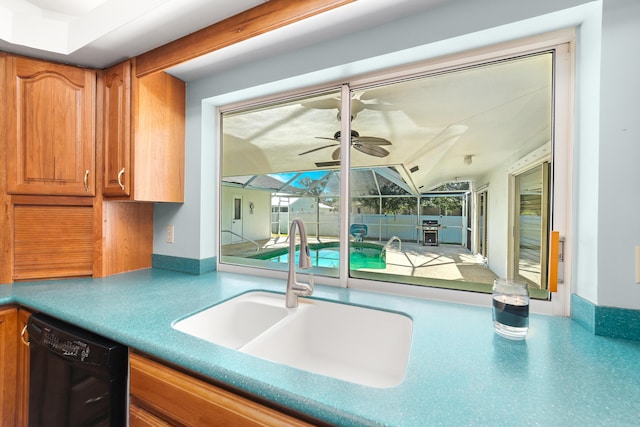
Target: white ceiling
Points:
(99, 33)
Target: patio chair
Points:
(358, 231)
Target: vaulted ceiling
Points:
(454, 126)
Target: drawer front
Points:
(188, 401)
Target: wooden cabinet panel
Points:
(50, 128)
(22, 371)
(180, 399)
(159, 138)
(52, 241)
(127, 236)
(6, 233)
(142, 135)
(8, 358)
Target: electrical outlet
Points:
(170, 233)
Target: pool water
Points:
(361, 257)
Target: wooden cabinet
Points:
(54, 139)
(8, 359)
(50, 128)
(142, 135)
(163, 396)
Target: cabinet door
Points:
(116, 129)
(8, 357)
(50, 128)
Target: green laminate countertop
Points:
(459, 373)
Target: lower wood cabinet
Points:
(163, 396)
(8, 359)
(22, 371)
(14, 368)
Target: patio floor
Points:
(446, 262)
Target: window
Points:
(435, 159)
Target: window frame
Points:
(563, 42)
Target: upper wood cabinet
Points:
(50, 128)
(142, 135)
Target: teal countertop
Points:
(459, 373)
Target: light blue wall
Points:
(607, 135)
(619, 155)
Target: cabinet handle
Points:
(86, 180)
(22, 338)
(120, 179)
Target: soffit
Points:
(99, 33)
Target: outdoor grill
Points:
(430, 229)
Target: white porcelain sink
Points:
(235, 322)
(361, 345)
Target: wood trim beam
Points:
(261, 19)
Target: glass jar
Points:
(511, 308)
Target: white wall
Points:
(256, 223)
(606, 149)
(498, 222)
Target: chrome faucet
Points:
(295, 289)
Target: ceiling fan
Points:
(370, 145)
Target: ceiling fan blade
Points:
(370, 140)
(317, 149)
(336, 154)
(322, 104)
(381, 107)
(372, 150)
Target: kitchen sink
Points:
(352, 343)
(235, 322)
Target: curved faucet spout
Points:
(295, 289)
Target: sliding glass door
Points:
(531, 226)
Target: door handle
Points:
(22, 338)
(120, 179)
(86, 180)
(553, 261)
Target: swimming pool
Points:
(363, 255)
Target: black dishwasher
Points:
(76, 378)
